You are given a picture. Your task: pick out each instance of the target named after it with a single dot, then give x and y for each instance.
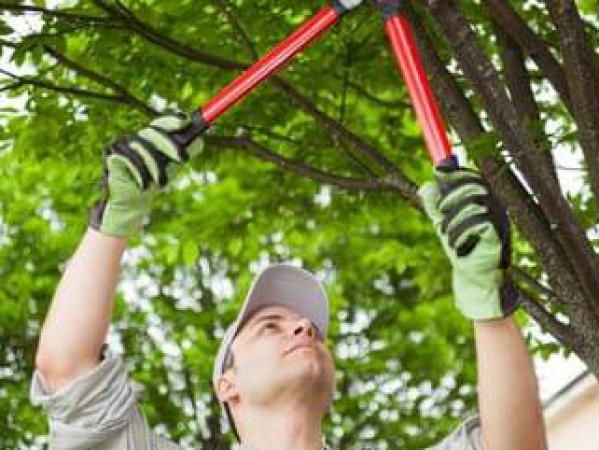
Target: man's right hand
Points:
(134, 169)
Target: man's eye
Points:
(270, 326)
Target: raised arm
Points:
(79, 316)
(475, 234)
(77, 321)
(508, 398)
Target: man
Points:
(273, 374)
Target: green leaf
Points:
(5, 28)
(190, 252)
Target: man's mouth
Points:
(301, 345)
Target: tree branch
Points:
(12, 86)
(522, 96)
(69, 90)
(503, 13)
(254, 130)
(60, 14)
(236, 23)
(6, 43)
(549, 324)
(343, 133)
(480, 71)
(521, 276)
(258, 150)
(581, 67)
(102, 80)
(152, 35)
(363, 92)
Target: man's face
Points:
(279, 354)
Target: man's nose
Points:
(304, 326)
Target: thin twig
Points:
(102, 80)
(363, 92)
(504, 14)
(12, 86)
(62, 14)
(71, 90)
(234, 20)
(6, 43)
(152, 35)
(271, 134)
(66, 90)
(298, 167)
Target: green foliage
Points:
(587, 6)
(405, 357)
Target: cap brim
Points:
(290, 287)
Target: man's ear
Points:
(226, 389)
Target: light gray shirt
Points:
(100, 411)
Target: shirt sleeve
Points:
(465, 437)
(97, 410)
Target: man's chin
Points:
(307, 369)
(303, 376)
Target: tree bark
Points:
(521, 94)
(581, 67)
(518, 30)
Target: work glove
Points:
(474, 230)
(135, 168)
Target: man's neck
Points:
(287, 427)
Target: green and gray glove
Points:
(475, 232)
(135, 168)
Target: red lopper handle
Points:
(263, 69)
(270, 63)
(408, 59)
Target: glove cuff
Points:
(482, 300)
(115, 221)
(97, 212)
(120, 218)
(508, 296)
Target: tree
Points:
(321, 164)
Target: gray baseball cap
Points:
(277, 285)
